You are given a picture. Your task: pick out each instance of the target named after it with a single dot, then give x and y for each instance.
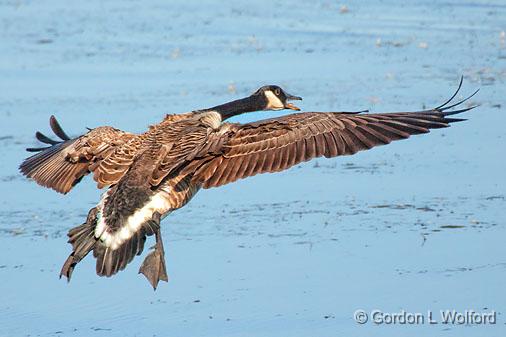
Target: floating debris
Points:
(44, 41)
(232, 88)
(451, 226)
(374, 99)
(175, 54)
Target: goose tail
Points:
(82, 238)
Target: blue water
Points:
(417, 225)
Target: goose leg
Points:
(153, 266)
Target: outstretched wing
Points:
(106, 151)
(277, 144)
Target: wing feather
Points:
(277, 144)
(104, 150)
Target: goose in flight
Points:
(151, 174)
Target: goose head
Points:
(273, 97)
(268, 97)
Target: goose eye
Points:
(277, 92)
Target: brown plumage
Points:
(106, 151)
(277, 144)
(151, 174)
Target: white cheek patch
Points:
(273, 101)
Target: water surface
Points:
(417, 225)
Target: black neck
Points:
(237, 107)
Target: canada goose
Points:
(149, 175)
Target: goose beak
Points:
(290, 105)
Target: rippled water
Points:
(417, 225)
